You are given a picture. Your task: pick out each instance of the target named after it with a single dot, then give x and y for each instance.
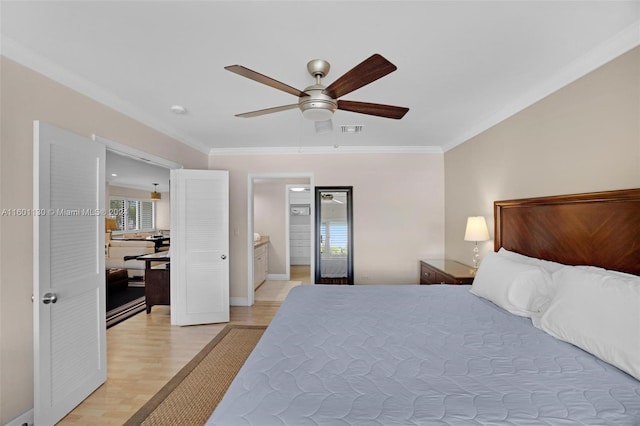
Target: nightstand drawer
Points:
(431, 276)
(428, 275)
(445, 272)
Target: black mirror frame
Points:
(318, 219)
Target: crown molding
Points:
(136, 154)
(615, 46)
(30, 59)
(324, 150)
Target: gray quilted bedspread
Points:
(418, 355)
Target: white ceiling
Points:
(462, 65)
(133, 173)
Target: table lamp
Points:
(110, 224)
(476, 231)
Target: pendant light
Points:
(155, 195)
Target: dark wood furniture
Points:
(117, 279)
(157, 279)
(443, 271)
(157, 287)
(596, 228)
(159, 241)
(148, 259)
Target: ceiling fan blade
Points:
(260, 78)
(362, 74)
(387, 111)
(267, 111)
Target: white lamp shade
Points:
(476, 229)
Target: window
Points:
(133, 215)
(335, 236)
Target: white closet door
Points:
(69, 275)
(199, 246)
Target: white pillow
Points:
(599, 313)
(519, 288)
(547, 265)
(603, 271)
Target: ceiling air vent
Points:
(352, 128)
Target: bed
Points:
(461, 355)
(334, 266)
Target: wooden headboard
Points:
(597, 228)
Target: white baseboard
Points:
(238, 301)
(23, 419)
(277, 277)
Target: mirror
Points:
(334, 235)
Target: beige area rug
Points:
(190, 396)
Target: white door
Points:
(199, 246)
(69, 276)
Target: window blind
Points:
(133, 215)
(334, 237)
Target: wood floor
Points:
(145, 351)
(300, 273)
(276, 291)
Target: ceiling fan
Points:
(329, 198)
(318, 102)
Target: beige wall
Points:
(268, 219)
(583, 138)
(28, 96)
(163, 211)
(398, 208)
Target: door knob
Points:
(223, 257)
(49, 298)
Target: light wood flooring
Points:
(145, 351)
(276, 291)
(300, 273)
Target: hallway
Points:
(276, 291)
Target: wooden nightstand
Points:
(442, 271)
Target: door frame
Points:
(136, 154)
(251, 177)
(348, 190)
(287, 225)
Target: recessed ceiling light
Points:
(114, 174)
(178, 109)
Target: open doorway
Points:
(271, 270)
(137, 223)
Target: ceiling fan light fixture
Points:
(323, 126)
(317, 114)
(317, 106)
